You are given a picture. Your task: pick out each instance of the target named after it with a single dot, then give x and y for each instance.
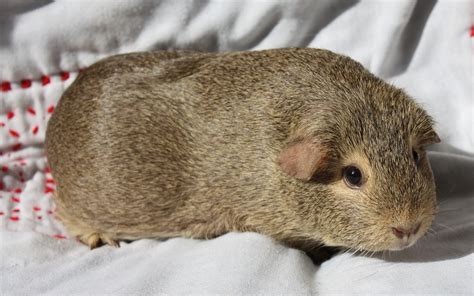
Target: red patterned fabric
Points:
(26, 184)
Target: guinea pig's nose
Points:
(400, 232)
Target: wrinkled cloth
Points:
(422, 46)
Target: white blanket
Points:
(422, 46)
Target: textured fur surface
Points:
(164, 144)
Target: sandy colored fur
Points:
(165, 144)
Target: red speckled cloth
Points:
(26, 184)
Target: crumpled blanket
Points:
(422, 46)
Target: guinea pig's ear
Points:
(424, 131)
(428, 137)
(302, 159)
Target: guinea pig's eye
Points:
(416, 157)
(352, 176)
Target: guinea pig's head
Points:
(362, 171)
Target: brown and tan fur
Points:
(164, 144)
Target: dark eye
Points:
(352, 176)
(416, 157)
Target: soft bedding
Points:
(422, 46)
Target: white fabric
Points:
(422, 46)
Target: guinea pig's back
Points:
(114, 144)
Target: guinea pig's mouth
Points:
(395, 238)
(395, 243)
(396, 235)
(403, 244)
(406, 237)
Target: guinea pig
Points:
(303, 145)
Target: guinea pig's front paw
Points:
(95, 240)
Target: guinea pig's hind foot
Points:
(86, 233)
(95, 240)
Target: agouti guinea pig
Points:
(303, 145)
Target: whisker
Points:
(383, 269)
(445, 226)
(432, 232)
(448, 210)
(428, 235)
